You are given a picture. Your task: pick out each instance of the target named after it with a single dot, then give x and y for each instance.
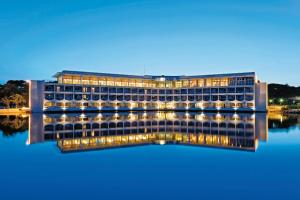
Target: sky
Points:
(167, 37)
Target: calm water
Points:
(150, 156)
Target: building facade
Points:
(85, 91)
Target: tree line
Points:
(283, 91)
(14, 94)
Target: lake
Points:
(150, 155)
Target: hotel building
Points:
(75, 91)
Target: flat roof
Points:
(151, 77)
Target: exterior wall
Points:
(240, 93)
(36, 96)
(261, 97)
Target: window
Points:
(231, 97)
(214, 90)
(112, 90)
(248, 89)
(249, 97)
(78, 97)
(96, 97)
(119, 90)
(162, 98)
(183, 91)
(222, 90)
(239, 90)
(78, 89)
(69, 97)
(222, 97)
(162, 91)
(69, 88)
(104, 90)
(126, 90)
(231, 90)
(240, 97)
(104, 97)
(214, 98)
(87, 97)
(49, 96)
(206, 98)
(198, 91)
(49, 88)
(191, 91)
(59, 96)
(191, 98)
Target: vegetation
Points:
(283, 91)
(14, 94)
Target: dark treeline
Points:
(14, 93)
(282, 91)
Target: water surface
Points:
(150, 156)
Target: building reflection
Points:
(81, 132)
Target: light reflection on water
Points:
(167, 155)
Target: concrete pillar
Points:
(36, 96)
(261, 97)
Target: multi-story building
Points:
(85, 91)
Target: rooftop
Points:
(151, 77)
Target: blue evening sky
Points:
(170, 37)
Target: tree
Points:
(6, 101)
(18, 100)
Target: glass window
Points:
(231, 90)
(120, 97)
(239, 90)
(198, 91)
(249, 89)
(112, 90)
(214, 98)
(69, 88)
(191, 91)
(222, 90)
(206, 90)
(59, 96)
(176, 98)
(78, 97)
(206, 98)
(214, 90)
(183, 91)
(119, 90)
(87, 97)
(126, 90)
(240, 97)
(104, 97)
(231, 97)
(69, 97)
(112, 97)
(191, 98)
(78, 89)
(96, 97)
(104, 89)
(49, 96)
(134, 91)
(49, 88)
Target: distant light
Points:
(162, 142)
